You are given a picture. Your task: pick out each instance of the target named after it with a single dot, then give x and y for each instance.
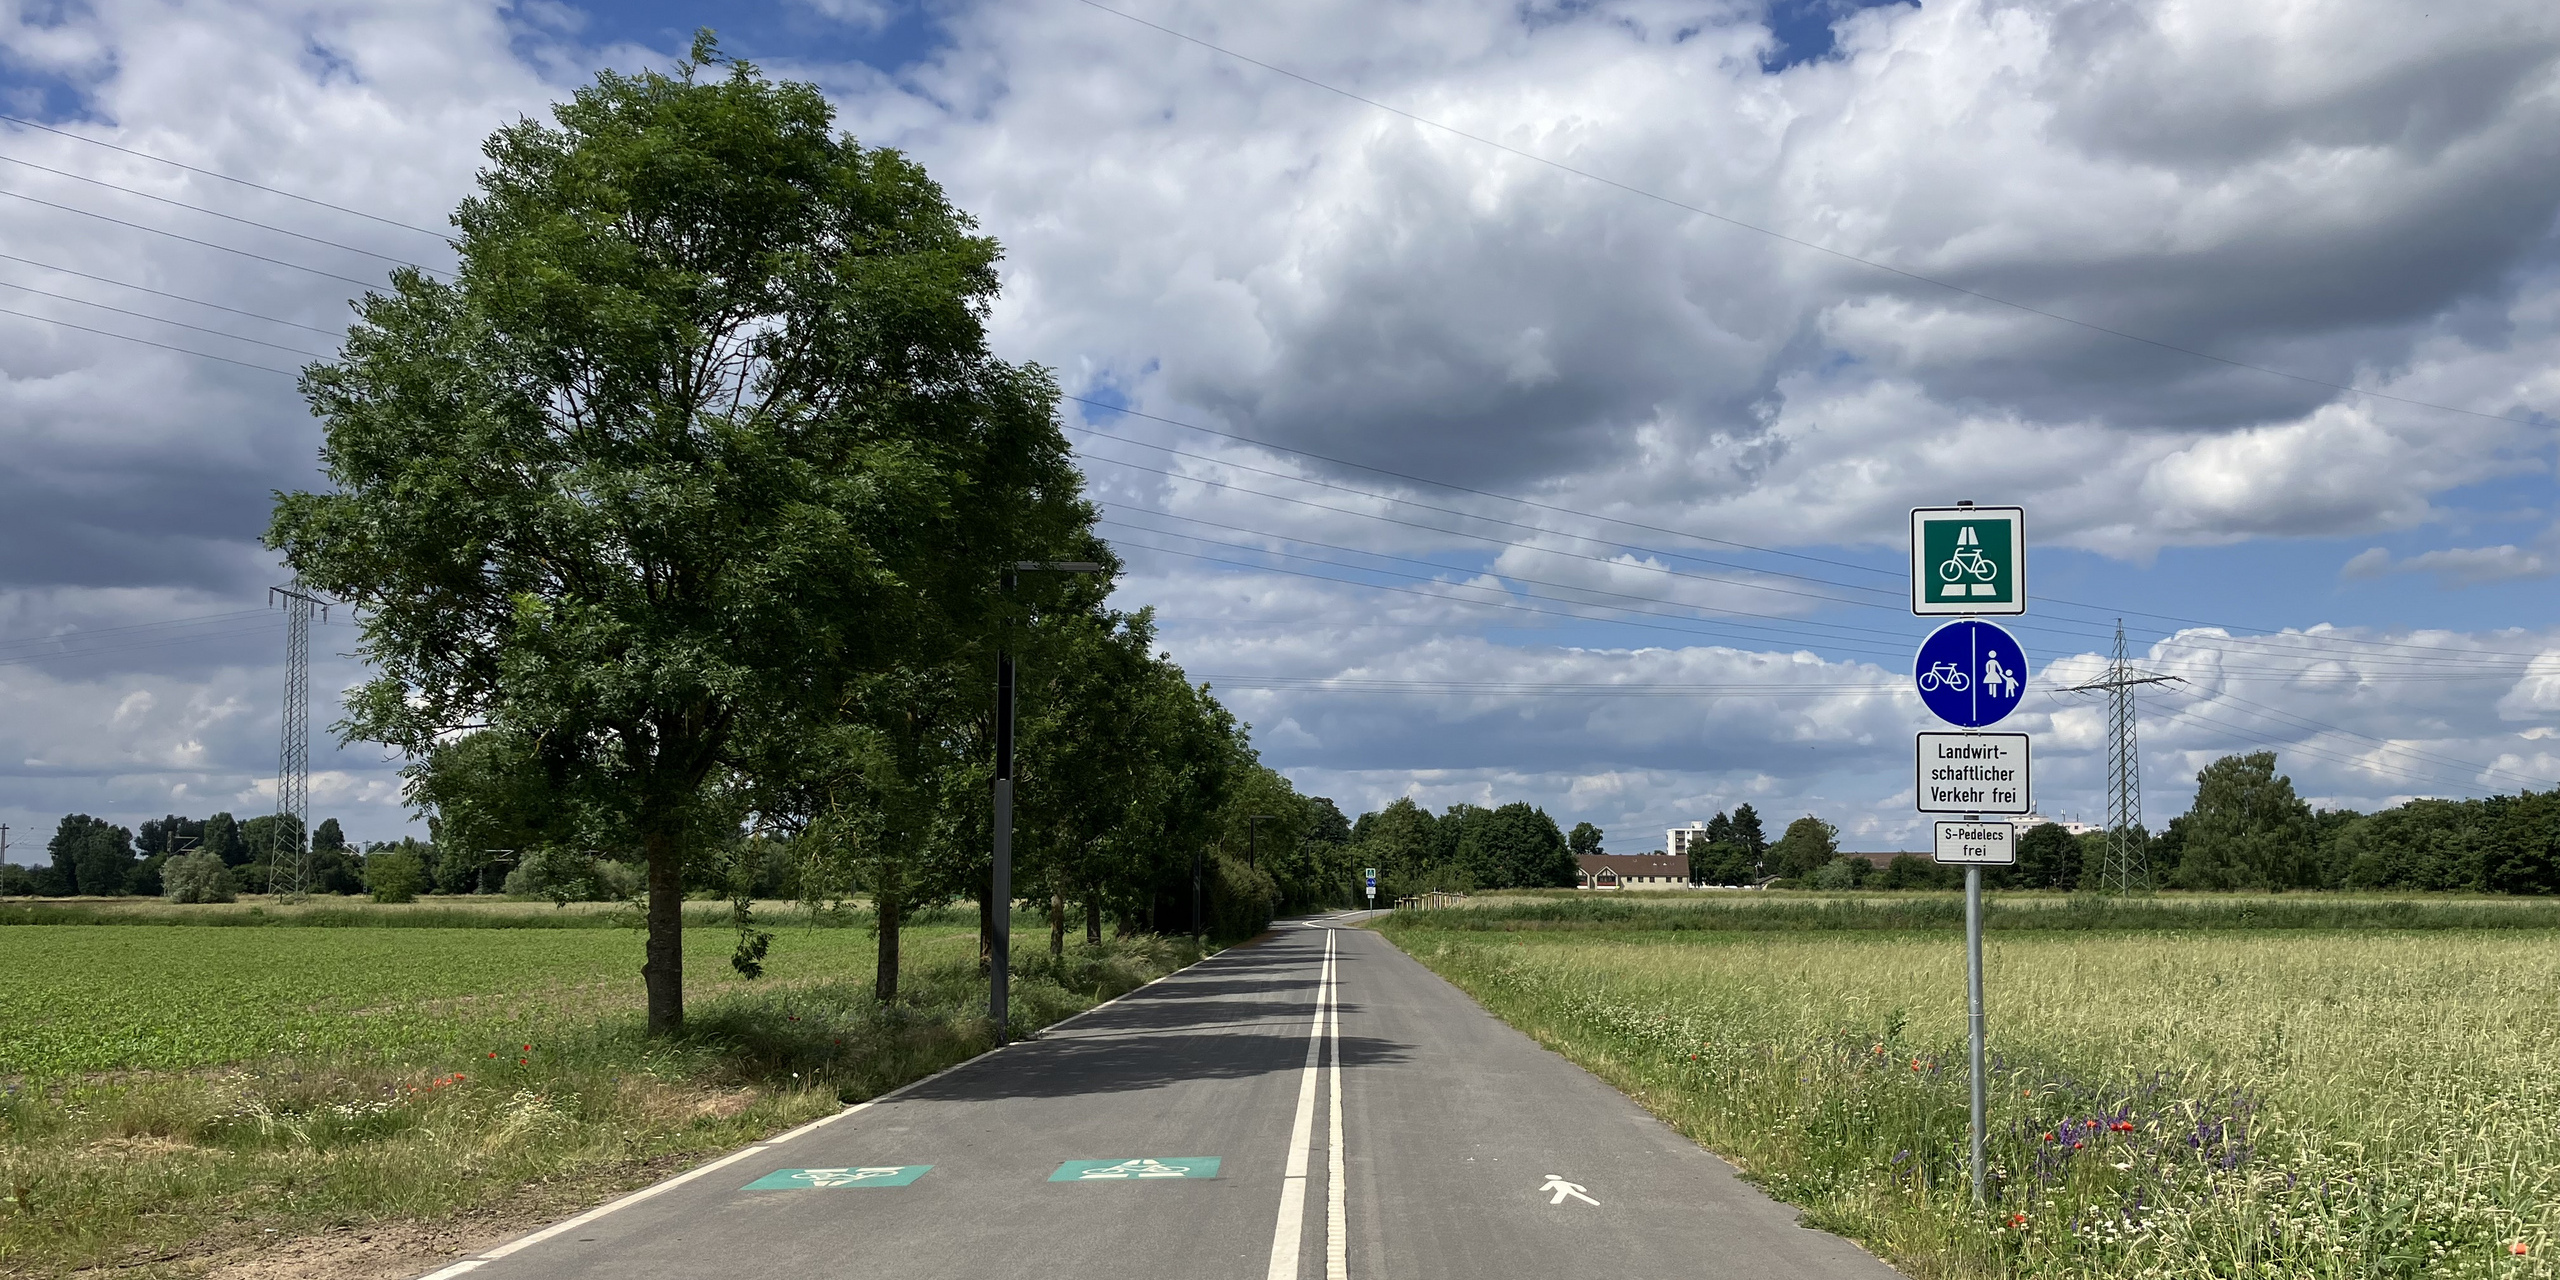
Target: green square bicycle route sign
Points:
(1968, 560)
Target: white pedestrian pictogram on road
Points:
(846, 1177)
(1562, 1188)
(1136, 1169)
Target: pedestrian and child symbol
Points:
(1996, 680)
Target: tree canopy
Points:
(2247, 829)
(1808, 844)
(705, 430)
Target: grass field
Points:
(2216, 1100)
(178, 1096)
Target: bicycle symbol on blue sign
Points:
(1970, 673)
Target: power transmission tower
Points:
(2128, 863)
(289, 858)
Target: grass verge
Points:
(2165, 1104)
(1784, 911)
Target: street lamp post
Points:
(1000, 880)
(1252, 850)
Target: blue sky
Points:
(1386, 305)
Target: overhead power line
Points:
(1499, 573)
(1482, 493)
(2484, 662)
(106, 333)
(260, 186)
(158, 231)
(144, 315)
(1546, 689)
(1725, 628)
(1791, 634)
(2306, 747)
(174, 297)
(1894, 594)
(216, 213)
(2300, 721)
(1798, 241)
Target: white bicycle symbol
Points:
(1968, 560)
(1943, 673)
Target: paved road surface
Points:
(1366, 1118)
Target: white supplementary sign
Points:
(1972, 773)
(1556, 1183)
(1977, 844)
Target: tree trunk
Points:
(1093, 918)
(662, 972)
(1057, 925)
(884, 983)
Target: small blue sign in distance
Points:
(1970, 673)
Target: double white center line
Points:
(1327, 1026)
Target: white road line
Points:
(1337, 1243)
(1293, 1180)
(524, 1242)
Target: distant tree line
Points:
(2247, 830)
(220, 856)
(1466, 847)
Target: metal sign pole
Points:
(1000, 867)
(1000, 875)
(1973, 994)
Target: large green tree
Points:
(1517, 846)
(91, 855)
(1809, 843)
(2247, 829)
(221, 838)
(2048, 858)
(1746, 832)
(1585, 841)
(704, 432)
(1402, 841)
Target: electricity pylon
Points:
(289, 859)
(2128, 863)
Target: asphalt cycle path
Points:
(1312, 1106)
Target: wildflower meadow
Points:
(2165, 1103)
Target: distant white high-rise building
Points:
(2029, 822)
(1679, 841)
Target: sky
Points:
(1495, 401)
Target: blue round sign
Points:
(1970, 673)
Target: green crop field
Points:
(86, 999)
(2218, 1101)
(179, 1096)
